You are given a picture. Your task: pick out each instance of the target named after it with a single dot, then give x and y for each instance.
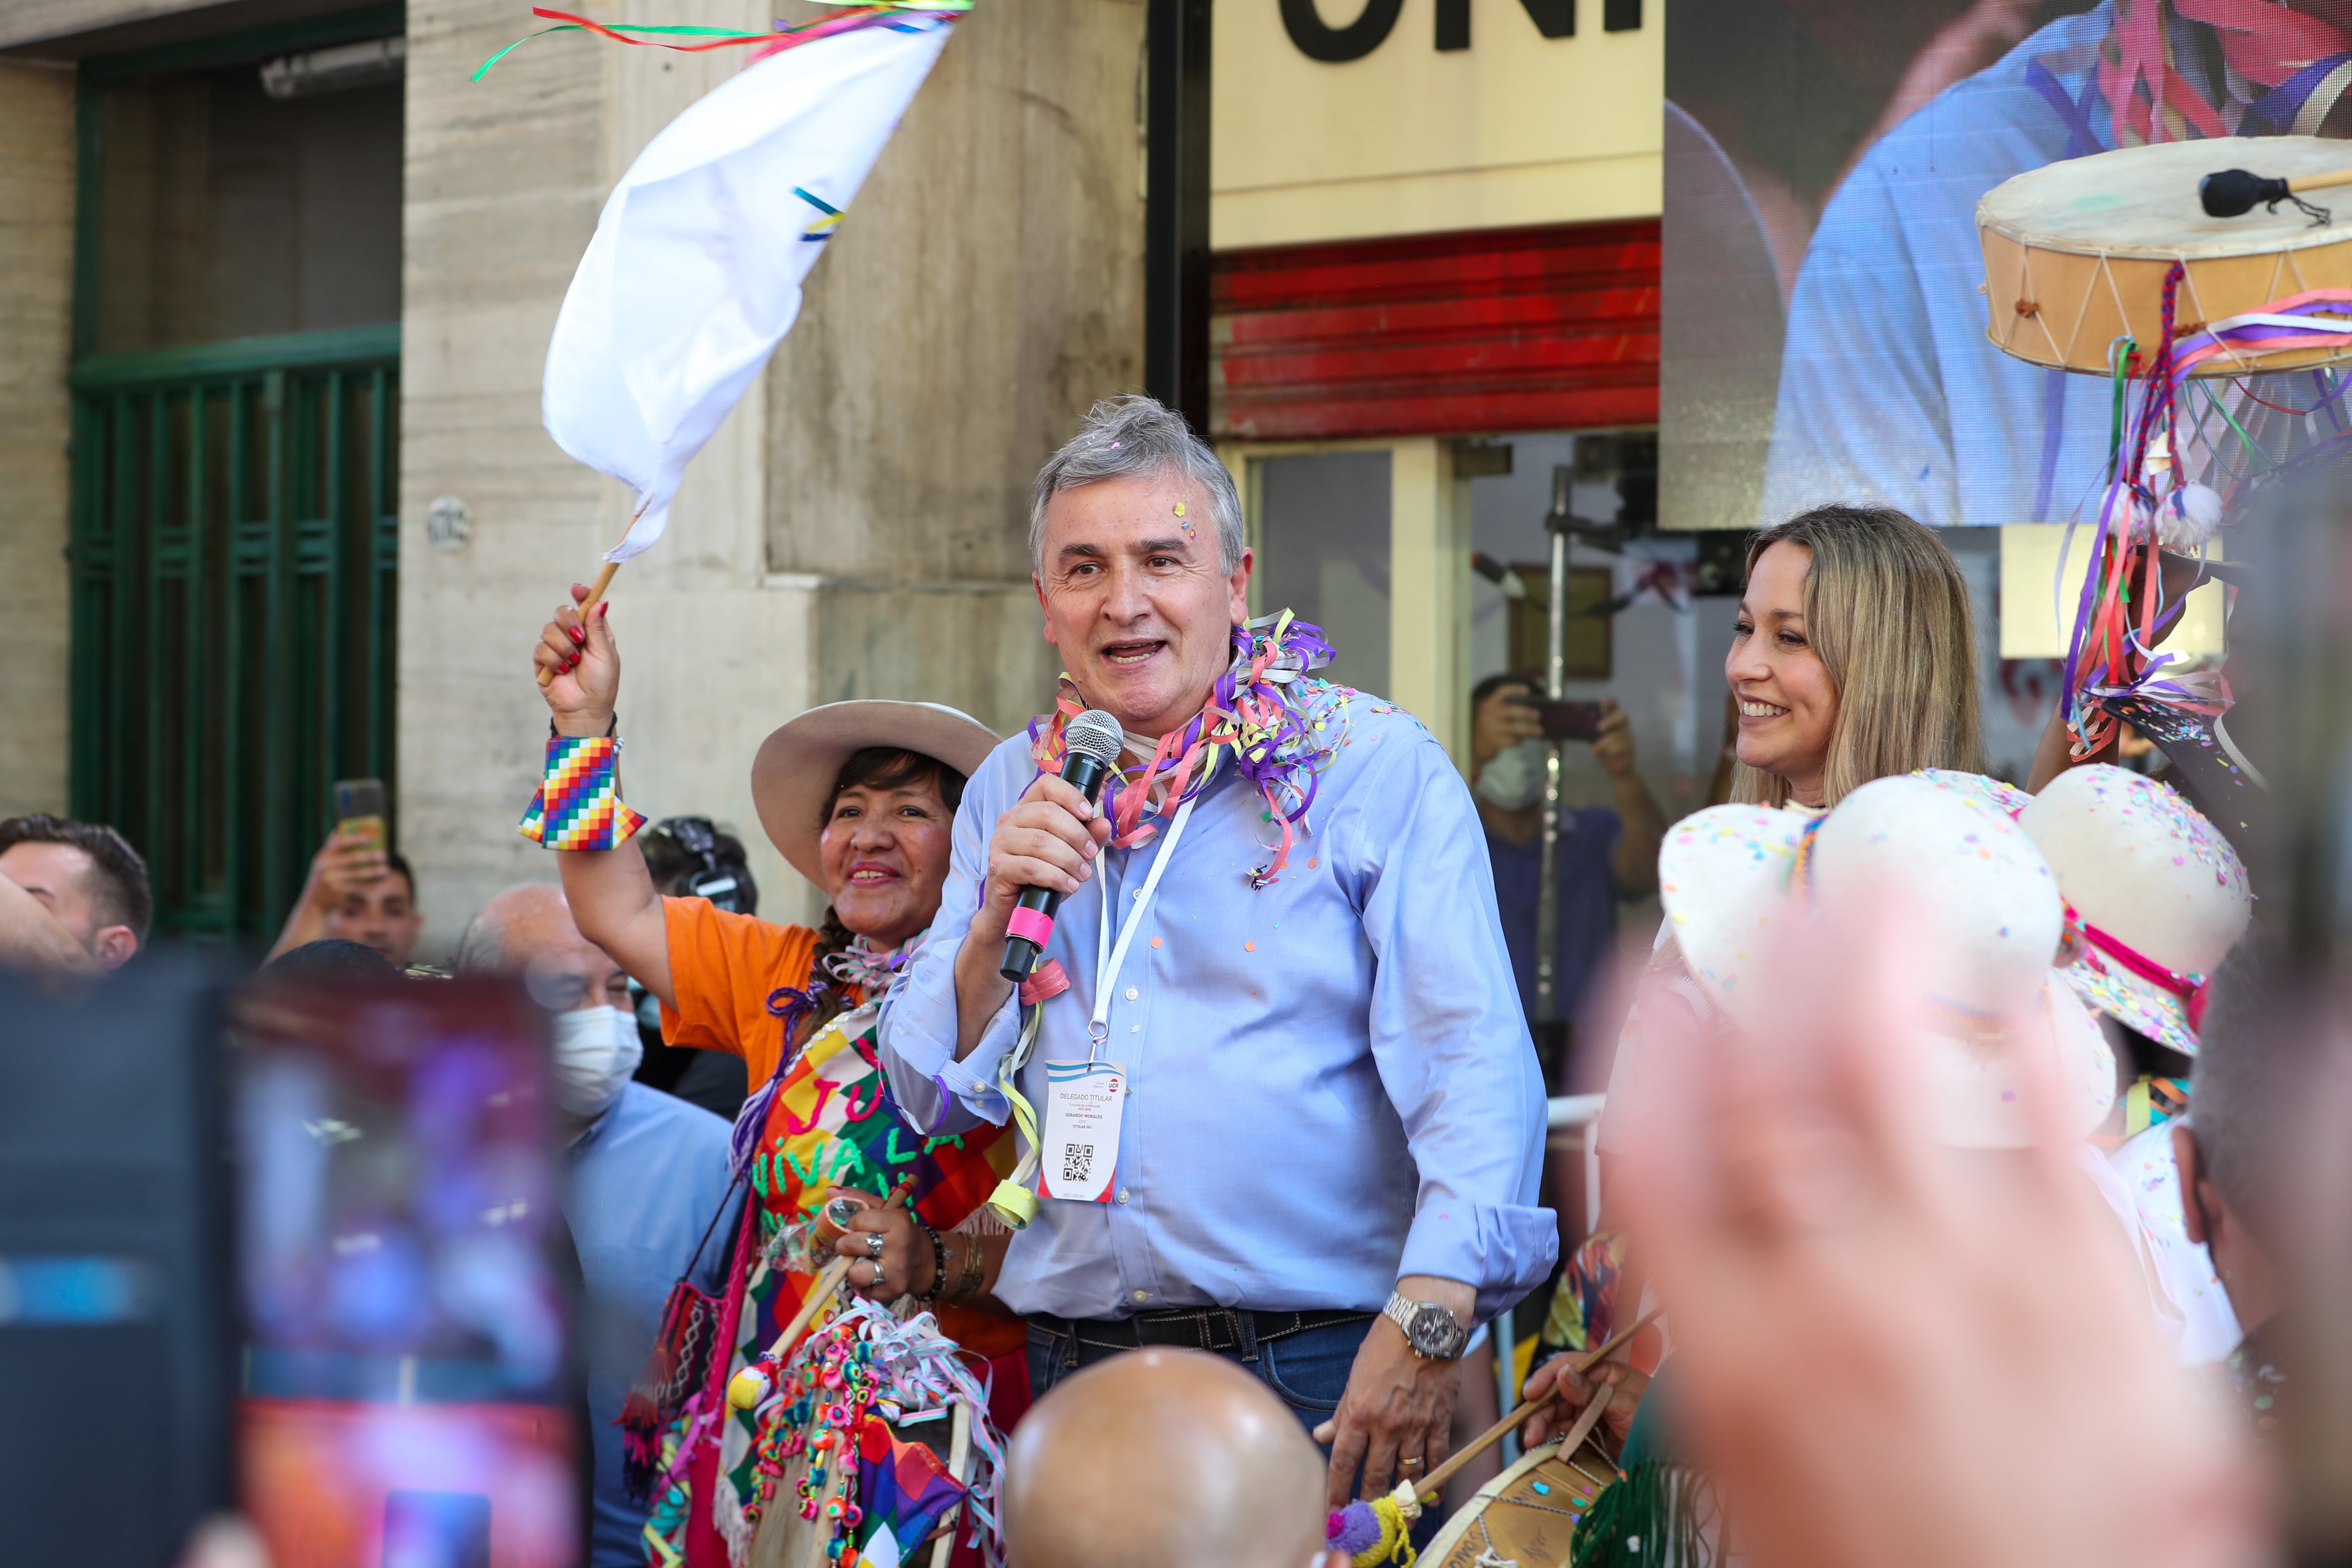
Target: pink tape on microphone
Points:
(1036, 925)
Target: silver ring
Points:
(875, 1283)
(873, 1245)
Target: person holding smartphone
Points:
(1608, 854)
(359, 889)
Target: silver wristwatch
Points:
(1432, 1331)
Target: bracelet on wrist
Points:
(973, 1279)
(578, 804)
(939, 1263)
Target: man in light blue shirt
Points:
(1890, 392)
(1330, 1140)
(648, 1173)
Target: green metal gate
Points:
(234, 546)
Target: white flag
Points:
(694, 275)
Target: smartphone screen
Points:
(360, 803)
(407, 1395)
(1568, 721)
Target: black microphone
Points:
(1091, 744)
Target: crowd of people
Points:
(1948, 1165)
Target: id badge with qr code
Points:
(1084, 1104)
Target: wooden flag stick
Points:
(1433, 1483)
(595, 594)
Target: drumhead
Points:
(2142, 201)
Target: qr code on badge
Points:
(1078, 1161)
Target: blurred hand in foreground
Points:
(1896, 1352)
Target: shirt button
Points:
(1122, 1195)
(1143, 1295)
(1132, 993)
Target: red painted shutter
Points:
(1495, 330)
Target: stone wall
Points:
(856, 528)
(503, 182)
(986, 288)
(37, 203)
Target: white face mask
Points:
(597, 1051)
(1513, 779)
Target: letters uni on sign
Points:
(1319, 41)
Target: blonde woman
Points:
(1852, 658)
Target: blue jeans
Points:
(1307, 1370)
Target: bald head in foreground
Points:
(1164, 1458)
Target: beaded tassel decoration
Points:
(1377, 1531)
(578, 805)
(815, 1402)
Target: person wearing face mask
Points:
(1606, 854)
(647, 1171)
(860, 798)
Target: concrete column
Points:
(1429, 589)
(36, 228)
(503, 181)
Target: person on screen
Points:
(1890, 391)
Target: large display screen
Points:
(1825, 330)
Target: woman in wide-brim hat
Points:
(860, 797)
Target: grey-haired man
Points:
(1319, 1122)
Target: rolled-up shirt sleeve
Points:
(917, 1037)
(1447, 1035)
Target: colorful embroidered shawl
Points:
(830, 1123)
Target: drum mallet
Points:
(2233, 192)
(1433, 1483)
(1389, 1517)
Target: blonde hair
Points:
(1887, 610)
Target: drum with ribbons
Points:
(2077, 255)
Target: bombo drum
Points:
(1526, 1516)
(2075, 253)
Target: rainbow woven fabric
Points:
(578, 805)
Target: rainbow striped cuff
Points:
(578, 806)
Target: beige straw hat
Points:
(792, 777)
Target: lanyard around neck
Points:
(1109, 960)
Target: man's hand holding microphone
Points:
(1046, 844)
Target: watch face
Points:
(1435, 1333)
